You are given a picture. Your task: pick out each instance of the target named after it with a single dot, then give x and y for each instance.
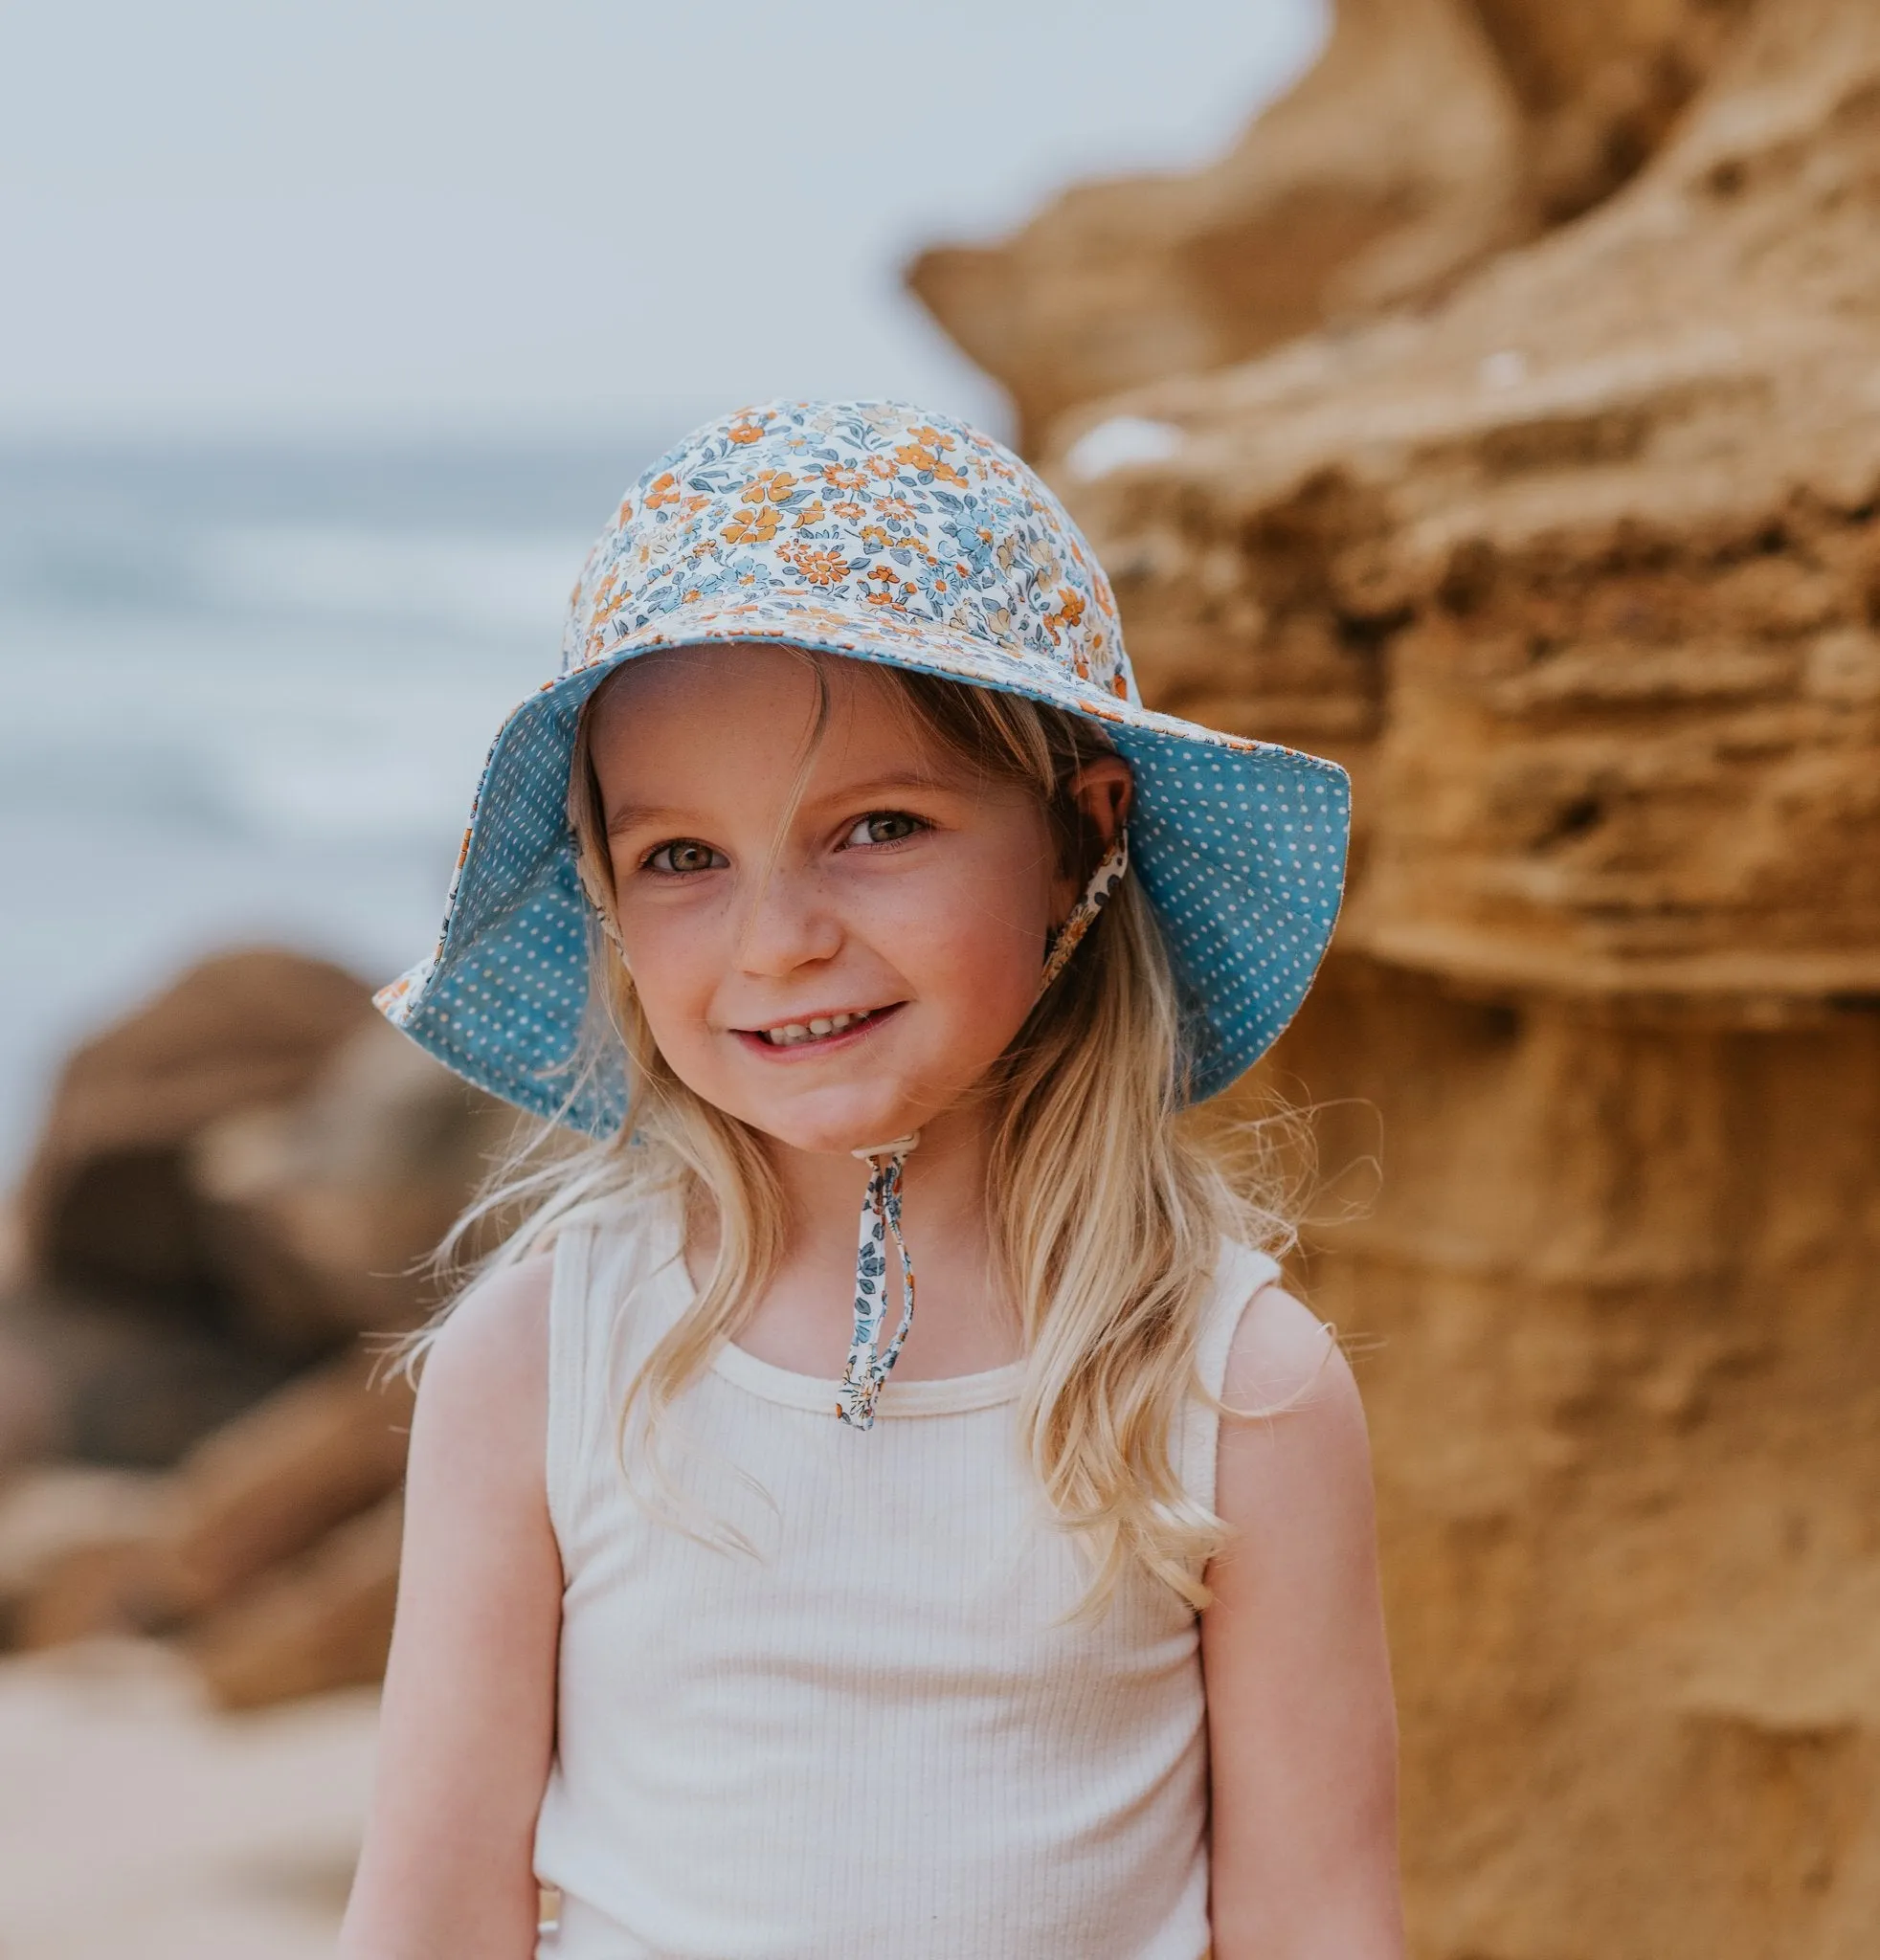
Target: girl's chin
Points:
(836, 1140)
(840, 1127)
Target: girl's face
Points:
(836, 973)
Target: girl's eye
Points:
(683, 855)
(884, 827)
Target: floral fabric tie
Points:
(870, 1363)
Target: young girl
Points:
(842, 893)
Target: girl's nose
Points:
(788, 924)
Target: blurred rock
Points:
(1600, 85)
(1431, 134)
(271, 1484)
(233, 1183)
(271, 1552)
(29, 1413)
(106, 1204)
(322, 1621)
(70, 1536)
(321, 1214)
(113, 1383)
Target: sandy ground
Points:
(137, 1823)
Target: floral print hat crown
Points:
(882, 532)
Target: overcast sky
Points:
(248, 217)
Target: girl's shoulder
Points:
(483, 1381)
(498, 1324)
(507, 1324)
(1271, 1348)
(1280, 1355)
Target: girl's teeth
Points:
(816, 1029)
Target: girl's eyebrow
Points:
(633, 815)
(877, 786)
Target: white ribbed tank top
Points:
(877, 1739)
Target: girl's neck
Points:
(945, 1177)
(963, 1325)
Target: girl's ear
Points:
(1103, 791)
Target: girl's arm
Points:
(468, 1723)
(1302, 1728)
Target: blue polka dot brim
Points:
(881, 532)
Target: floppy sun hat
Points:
(886, 532)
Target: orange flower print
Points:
(945, 473)
(769, 486)
(886, 587)
(897, 510)
(873, 534)
(624, 512)
(751, 526)
(916, 455)
(931, 438)
(808, 515)
(1070, 609)
(746, 431)
(879, 466)
(848, 512)
(665, 490)
(819, 568)
(839, 476)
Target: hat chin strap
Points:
(870, 1363)
(1098, 891)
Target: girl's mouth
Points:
(817, 1033)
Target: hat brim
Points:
(1240, 845)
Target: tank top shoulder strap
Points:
(614, 1291)
(1240, 1275)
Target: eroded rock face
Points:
(1579, 570)
(1431, 134)
(1612, 1309)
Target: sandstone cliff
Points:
(1430, 134)
(1579, 568)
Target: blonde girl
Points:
(843, 898)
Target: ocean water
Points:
(244, 696)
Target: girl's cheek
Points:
(986, 954)
(672, 965)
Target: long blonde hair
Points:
(1109, 1201)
